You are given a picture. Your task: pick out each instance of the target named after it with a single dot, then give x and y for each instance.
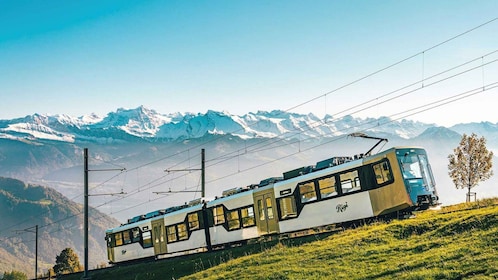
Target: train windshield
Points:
(417, 175)
(416, 166)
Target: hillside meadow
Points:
(455, 242)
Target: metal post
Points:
(36, 253)
(86, 171)
(36, 245)
(203, 173)
(85, 155)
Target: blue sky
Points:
(82, 57)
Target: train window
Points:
(247, 215)
(307, 191)
(182, 231)
(382, 172)
(233, 219)
(287, 207)
(193, 221)
(327, 187)
(119, 238)
(218, 214)
(157, 234)
(135, 235)
(171, 231)
(147, 240)
(111, 241)
(269, 208)
(261, 210)
(350, 182)
(126, 237)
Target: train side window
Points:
(382, 172)
(327, 187)
(171, 231)
(126, 237)
(261, 210)
(182, 231)
(350, 182)
(288, 207)
(307, 191)
(135, 235)
(219, 215)
(119, 238)
(193, 221)
(146, 239)
(247, 215)
(233, 220)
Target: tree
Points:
(14, 275)
(67, 262)
(471, 163)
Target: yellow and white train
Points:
(334, 191)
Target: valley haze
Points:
(240, 150)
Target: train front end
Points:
(418, 178)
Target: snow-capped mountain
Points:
(146, 124)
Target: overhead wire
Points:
(373, 124)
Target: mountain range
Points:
(143, 124)
(47, 149)
(127, 125)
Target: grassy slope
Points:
(457, 242)
(453, 243)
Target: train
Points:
(334, 191)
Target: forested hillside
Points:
(59, 221)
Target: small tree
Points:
(14, 275)
(67, 262)
(471, 163)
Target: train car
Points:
(232, 217)
(130, 242)
(180, 232)
(394, 180)
(333, 191)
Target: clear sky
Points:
(82, 57)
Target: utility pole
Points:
(85, 182)
(203, 173)
(36, 246)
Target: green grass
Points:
(456, 242)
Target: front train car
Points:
(404, 181)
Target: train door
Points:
(110, 249)
(159, 237)
(266, 216)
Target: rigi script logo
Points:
(341, 207)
